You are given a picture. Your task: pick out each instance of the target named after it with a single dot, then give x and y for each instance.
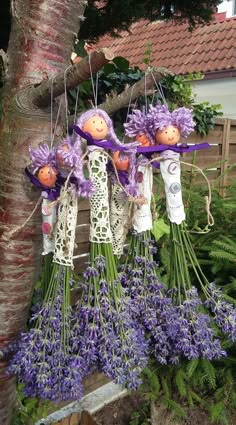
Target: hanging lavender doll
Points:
(107, 335)
(167, 128)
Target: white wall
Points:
(221, 91)
(228, 7)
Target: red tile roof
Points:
(208, 48)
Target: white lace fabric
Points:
(142, 218)
(100, 231)
(119, 217)
(66, 227)
(171, 172)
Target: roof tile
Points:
(208, 48)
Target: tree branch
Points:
(74, 75)
(153, 76)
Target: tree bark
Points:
(74, 75)
(41, 41)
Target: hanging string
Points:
(210, 218)
(96, 100)
(159, 88)
(162, 93)
(7, 234)
(76, 104)
(66, 101)
(145, 92)
(56, 122)
(51, 112)
(94, 90)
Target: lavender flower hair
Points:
(159, 117)
(111, 133)
(42, 155)
(138, 123)
(73, 159)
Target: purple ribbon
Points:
(148, 151)
(105, 144)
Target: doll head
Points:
(121, 161)
(138, 127)
(97, 123)
(167, 127)
(170, 135)
(41, 156)
(47, 175)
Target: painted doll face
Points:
(47, 175)
(168, 136)
(121, 161)
(97, 127)
(143, 140)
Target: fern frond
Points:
(229, 299)
(181, 383)
(196, 397)
(223, 255)
(209, 375)
(165, 387)
(226, 244)
(152, 381)
(218, 413)
(230, 286)
(175, 407)
(191, 367)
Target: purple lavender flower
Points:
(70, 154)
(224, 312)
(138, 124)
(42, 155)
(46, 360)
(105, 332)
(160, 117)
(173, 330)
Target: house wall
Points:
(227, 6)
(221, 91)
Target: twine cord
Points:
(9, 233)
(210, 218)
(95, 90)
(66, 101)
(138, 200)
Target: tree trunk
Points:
(41, 41)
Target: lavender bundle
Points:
(182, 257)
(174, 329)
(108, 336)
(45, 360)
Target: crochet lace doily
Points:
(119, 218)
(49, 218)
(100, 230)
(66, 226)
(170, 171)
(142, 219)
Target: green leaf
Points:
(109, 68)
(121, 63)
(160, 228)
(80, 50)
